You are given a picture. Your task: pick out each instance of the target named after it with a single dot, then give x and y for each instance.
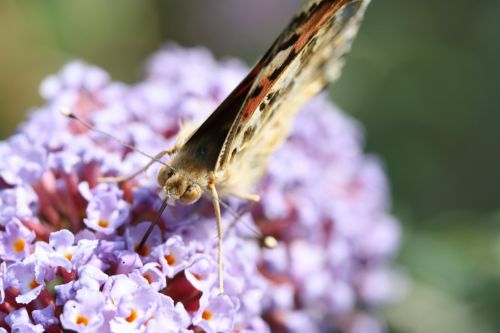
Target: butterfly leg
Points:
(218, 217)
(141, 170)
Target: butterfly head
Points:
(178, 187)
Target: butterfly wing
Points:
(305, 57)
(253, 120)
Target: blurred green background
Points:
(423, 78)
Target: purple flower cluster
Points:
(68, 244)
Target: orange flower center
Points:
(198, 277)
(207, 315)
(148, 278)
(82, 320)
(144, 250)
(103, 223)
(33, 284)
(170, 259)
(133, 316)
(18, 245)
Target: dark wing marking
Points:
(211, 135)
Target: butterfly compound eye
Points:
(191, 195)
(164, 174)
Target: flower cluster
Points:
(68, 243)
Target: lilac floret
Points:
(135, 308)
(18, 202)
(119, 286)
(28, 278)
(75, 75)
(169, 318)
(84, 314)
(216, 313)
(19, 321)
(23, 161)
(150, 275)
(64, 292)
(106, 211)
(133, 236)
(127, 261)
(15, 241)
(83, 252)
(202, 273)
(172, 256)
(45, 317)
(90, 278)
(48, 261)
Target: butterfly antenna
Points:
(238, 217)
(267, 241)
(67, 113)
(229, 209)
(152, 225)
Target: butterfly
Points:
(228, 153)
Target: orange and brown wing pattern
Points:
(304, 58)
(253, 120)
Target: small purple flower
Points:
(15, 241)
(62, 244)
(45, 317)
(17, 202)
(382, 240)
(28, 278)
(64, 292)
(151, 275)
(134, 236)
(84, 314)
(127, 261)
(299, 321)
(23, 161)
(119, 286)
(172, 256)
(202, 273)
(90, 278)
(216, 313)
(339, 298)
(135, 308)
(83, 252)
(19, 321)
(75, 76)
(306, 259)
(48, 261)
(169, 318)
(105, 211)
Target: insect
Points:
(228, 153)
